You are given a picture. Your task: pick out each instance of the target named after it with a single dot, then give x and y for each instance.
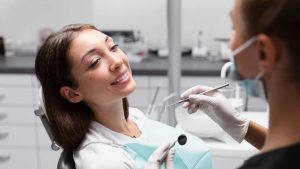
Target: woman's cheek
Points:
(233, 41)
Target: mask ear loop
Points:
(259, 75)
(244, 46)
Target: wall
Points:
(22, 20)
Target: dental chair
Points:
(66, 160)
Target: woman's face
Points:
(247, 61)
(100, 68)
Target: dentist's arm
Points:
(256, 135)
(219, 109)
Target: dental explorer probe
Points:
(182, 139)
(207, 91)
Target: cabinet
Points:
(146, 86)
(20, 144)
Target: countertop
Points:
(150, 66)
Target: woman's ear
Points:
(71, 94)
(269, 51)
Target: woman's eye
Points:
(114, 48)
(95, 63)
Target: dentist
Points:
(266, 59)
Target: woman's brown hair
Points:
(68, 121)
(279, 19)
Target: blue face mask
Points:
(253, 86)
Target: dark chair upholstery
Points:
(66, 160)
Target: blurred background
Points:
(23, 22)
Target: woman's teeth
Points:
(123, 78)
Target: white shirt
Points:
(101, 147)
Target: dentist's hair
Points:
(277, 18)
(68, 121)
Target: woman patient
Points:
(85, 80)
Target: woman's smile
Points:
(122, 79)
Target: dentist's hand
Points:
(218, 108)
(157, 154)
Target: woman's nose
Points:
(115, 63)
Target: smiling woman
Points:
(85, 80)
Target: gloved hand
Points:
(153, 159)
(219, 109)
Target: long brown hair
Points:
(68, 121)
(277, 18)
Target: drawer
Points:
(34, 81)
(16, 95)
(18, 158)
(162, 80)
(44, 140)
(141, 81)
(162, 93)
(48, 158)
(15, 80)
(140, 97)
(17, 115)
(36, 96)
(187, 82)
(17, 136)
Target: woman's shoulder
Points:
(137, 113)
(99, 155)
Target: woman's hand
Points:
(153, 161)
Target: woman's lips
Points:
(121, 79)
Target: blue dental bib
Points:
(194, 154)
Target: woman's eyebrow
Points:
(107, 38)
(88, 53)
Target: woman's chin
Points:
(131, 88)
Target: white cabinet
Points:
(190, 81)
(140, 97)
(146, 87)
(13, 158)
(48, 158)
(21, 145)
(17, 124)
(17, 136)
(16, 115)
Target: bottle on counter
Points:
(200, 50)
(2, 48)
(199, 40)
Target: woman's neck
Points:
(284, 124)
(110, 115)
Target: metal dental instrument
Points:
(207, 91)
(153, 100)
(182, 139)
